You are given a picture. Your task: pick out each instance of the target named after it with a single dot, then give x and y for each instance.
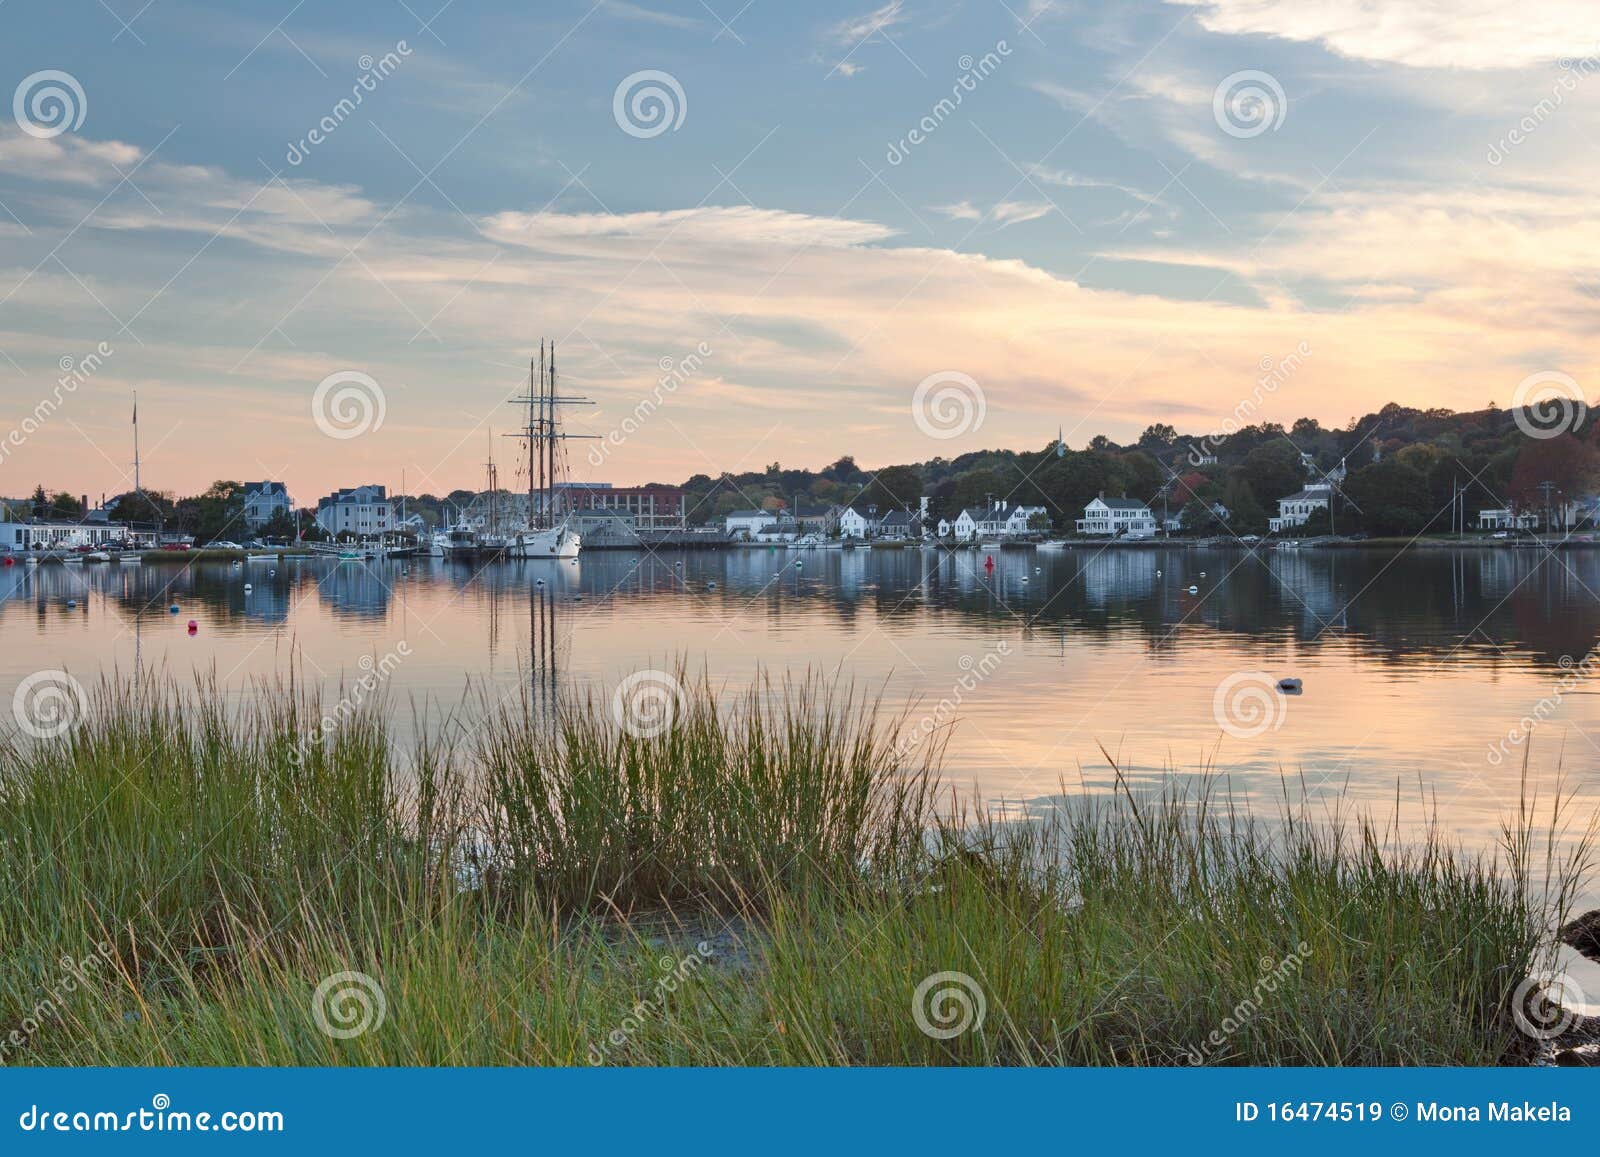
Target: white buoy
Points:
(248, 588)
(711, 586)
(1289, 686)
(72, 602)
(538, 582)
(1158, 574)
(1202, 574)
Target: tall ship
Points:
(547, 534)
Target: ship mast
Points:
(543, 435)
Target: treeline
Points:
(1404, 468)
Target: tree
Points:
(1391, 498)
(64, 505)
(1157, 436)
(217, 513)
(892, 488)
(1199, 518)
(1274, 470)
(40, 502)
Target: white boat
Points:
(548, 533)
(1053, 544)
(437, 542)
(557, 542)
(261, 558)
(97, 556)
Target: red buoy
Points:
(988, 563)
(194, 627)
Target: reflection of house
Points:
(747, 524)
(263, 500)
(360, 510)
(1117, 517)
(1297, 508)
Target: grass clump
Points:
(758, 880)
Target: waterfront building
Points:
(652, 506)
(69, 535)
(263, 500)
(364, 511)
(1296, 509)
(854, 524)
(747, 524)
(1117, 517)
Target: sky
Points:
(323, 240)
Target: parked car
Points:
(1500, 534)
(222, 544)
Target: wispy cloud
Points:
(855, 29)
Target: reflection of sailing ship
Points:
(547, 534)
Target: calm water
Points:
(1415, 666)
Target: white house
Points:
(20, 536)
(781, 529)
(1296, 509)
(748, 524)
(1018, 517)
(1501, 518)
(1117, 517)
(364, 511)
(262, 500)
(854, 524)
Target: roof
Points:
(267, 487)
(1304, 495)
(751, 514)
(897, 518)
(1122, 503)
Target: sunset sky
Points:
(1101, 233)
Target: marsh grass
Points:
(522, 888)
